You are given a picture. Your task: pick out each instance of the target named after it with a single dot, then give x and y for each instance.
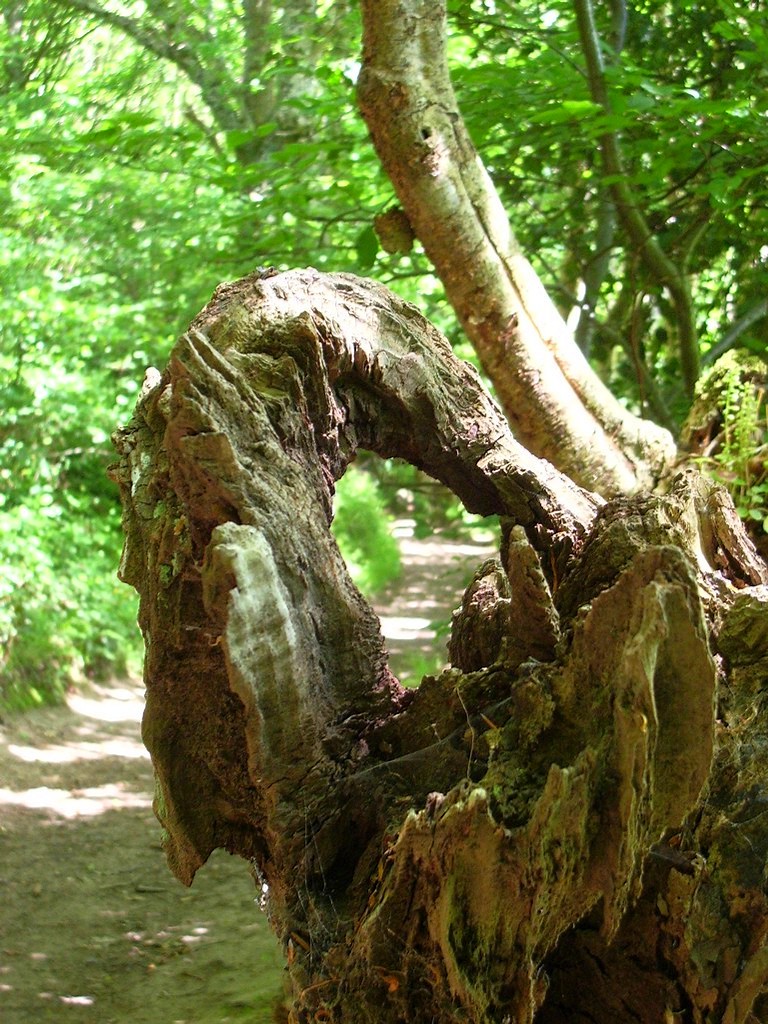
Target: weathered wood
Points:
(581, 792)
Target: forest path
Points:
(93, 927)
(415, 609)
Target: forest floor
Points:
(93, 927)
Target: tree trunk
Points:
(555, 403)
(569, 824)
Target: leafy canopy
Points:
(150, 150)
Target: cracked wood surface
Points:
(449, 852)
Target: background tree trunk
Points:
(556, 405)
(569, 823)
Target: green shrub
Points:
(361, 526)
(731, 396)
(68, 374)
(63, 612)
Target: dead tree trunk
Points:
(568, 824)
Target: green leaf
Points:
(237, 138)
(726, 30)
(641, 101)
(580, 108)
(568, 110)
(366, 247)
(263, 130)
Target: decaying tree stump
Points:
(569, 824)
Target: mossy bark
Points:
(569, 823)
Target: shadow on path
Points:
(93, 928)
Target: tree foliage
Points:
(150, 150)
(682, 88)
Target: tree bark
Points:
(567, 824)
(555, 403)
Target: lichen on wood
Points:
(582, 790)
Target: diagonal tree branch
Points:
(657, 263)
(172, 47)
(557, 405)
(754, 314)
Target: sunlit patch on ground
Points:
(78, 803)
(93, 926)
(399, 627)
(101, 728)
(109, 704)
(65, 753)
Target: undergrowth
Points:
(64, 615)
(361, 527)
(737, 456)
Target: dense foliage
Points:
(150, 150)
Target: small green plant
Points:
(738, 460)
(361, 526)
(745, 435)
(411, 667)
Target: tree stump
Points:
(568, 824)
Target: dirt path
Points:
(415, 610)
(93, 928)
